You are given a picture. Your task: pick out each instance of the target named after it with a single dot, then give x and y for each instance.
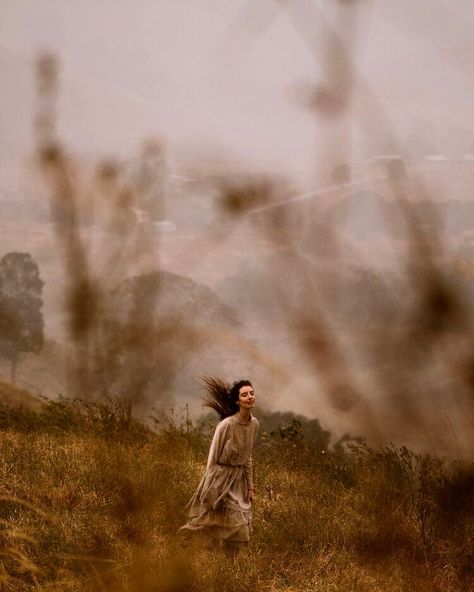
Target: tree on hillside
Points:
(172, 296)
(21, 319)
(152, 326)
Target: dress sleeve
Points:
(248, 467)
(217, 445)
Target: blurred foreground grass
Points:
(91, 499)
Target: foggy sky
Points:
(220, 76)
(219, 79)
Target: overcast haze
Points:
(222, 75)
(231, 82)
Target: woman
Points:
(221, 505)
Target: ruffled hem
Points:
(223, 525)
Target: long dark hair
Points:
(222, 396)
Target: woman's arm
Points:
(209, 488)
(217, 445)
(248, 468)
(248, 471)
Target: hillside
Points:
(92, 500)
(12, 396)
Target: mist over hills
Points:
(243, 287)
(337, 273)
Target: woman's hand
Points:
(250, 495)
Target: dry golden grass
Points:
(90, 501)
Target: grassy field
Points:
(91, 500)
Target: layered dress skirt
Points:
(219, 507)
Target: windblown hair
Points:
(222, 396)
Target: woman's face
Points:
(246, 397)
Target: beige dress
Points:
(219, 506)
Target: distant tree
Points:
(21, 319)
(290, 426)
(155, 324)
(170, 296)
